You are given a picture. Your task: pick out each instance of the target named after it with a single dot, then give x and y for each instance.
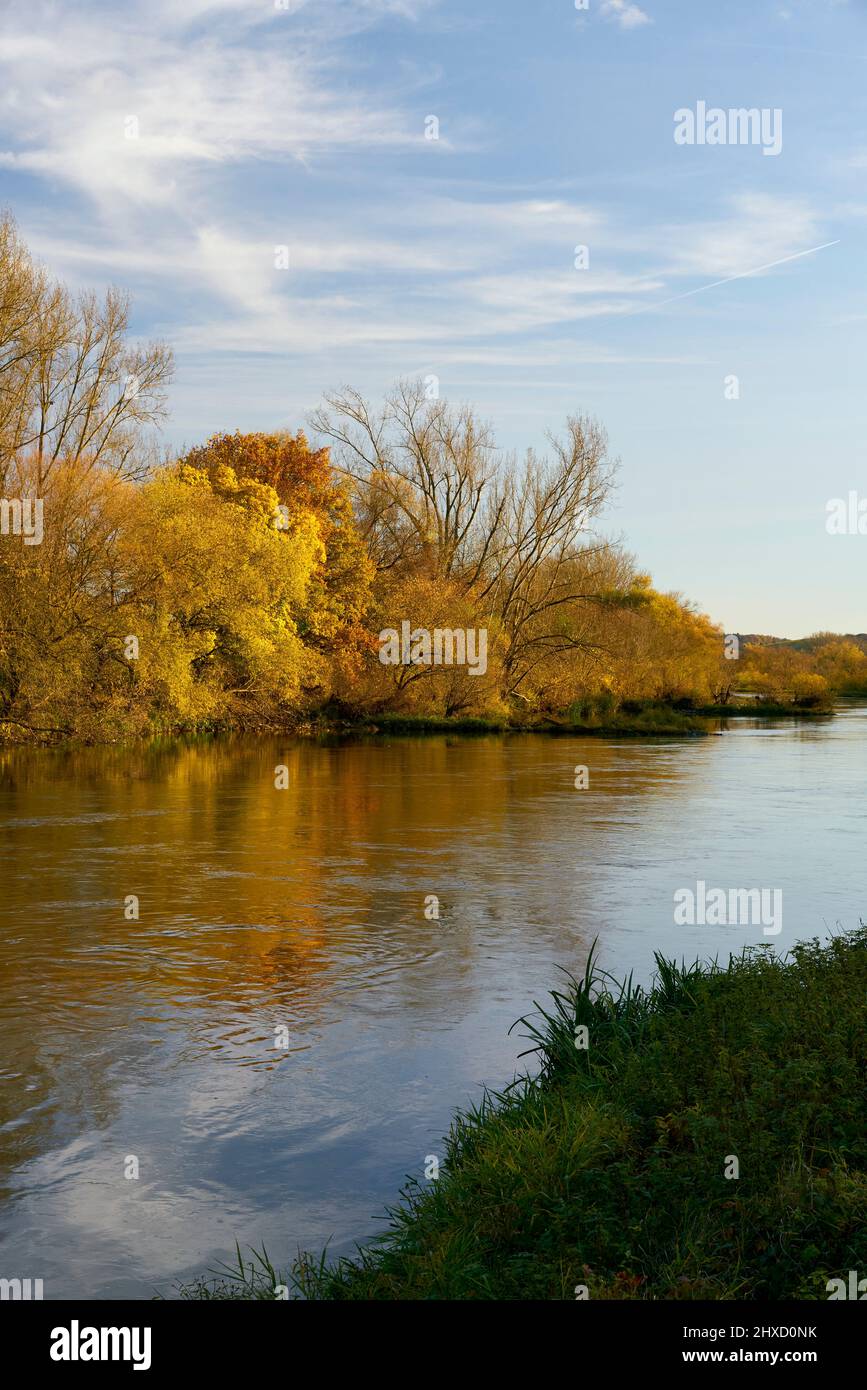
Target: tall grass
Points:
(607, 1169)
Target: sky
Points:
(308, 193)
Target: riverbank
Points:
(708, 1142)
(631, 719)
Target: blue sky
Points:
(261, 126)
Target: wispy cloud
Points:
(130, 109)
(758, 229)
(625, 13)
(437, 274)
(257, 127)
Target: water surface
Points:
(304, 910)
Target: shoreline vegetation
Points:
(257, 581)
(633, 719)
(703, 1139)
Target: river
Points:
(282, 1033)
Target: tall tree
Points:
(435, 496)
(73, 388)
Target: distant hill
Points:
(802, 644)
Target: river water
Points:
(282, 1034)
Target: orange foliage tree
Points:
(305, 483)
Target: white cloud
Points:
(222, 88)
(282, 316)
(625, 13)
(761, 228)
(202, 97)
(534, 219)
(448, 272)
(240, 119)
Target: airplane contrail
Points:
(756, 270)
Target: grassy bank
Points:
(596, 715)
(768, 709)
(608, 1170)
(653, 719)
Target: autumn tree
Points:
(73, 388)
(435, 497)
(62, 605)
(221, 598)
(424, 475)
(304, 485)
(842, 664)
